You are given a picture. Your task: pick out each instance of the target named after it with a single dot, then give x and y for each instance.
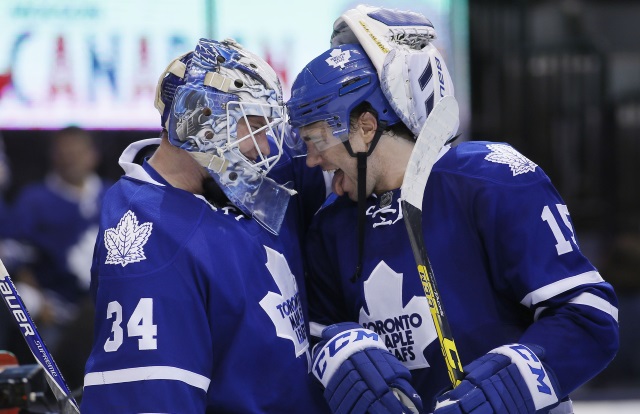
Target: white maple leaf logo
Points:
(505, 154)
(406, 330)
(125, 242)
(285, 308)
(338, 58)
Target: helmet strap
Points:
(362, 209)
(213, 193)
(362, 193)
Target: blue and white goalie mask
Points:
(226, 109)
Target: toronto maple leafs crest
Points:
(338, 58)
(505, 154)
(126, 241)
(285, 308)
(406, 330)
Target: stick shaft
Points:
(413, 222)
(40, 352)
(437, 129)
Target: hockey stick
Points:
(438, 128)
(18, 310)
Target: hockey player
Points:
(200, 306)
(57, 219)
(531, 316)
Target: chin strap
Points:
(362, 210)
(213, 193)
(362, 193)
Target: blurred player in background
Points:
(531, 316)
(57, 221)
(197, 274)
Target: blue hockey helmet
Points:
(330, 87)
(203, 96)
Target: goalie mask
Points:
(329, 88)
(203, 98)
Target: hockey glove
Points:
(509, 379)
(360, 375)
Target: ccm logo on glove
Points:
(339, 348)
(508, 379)
(527, 361)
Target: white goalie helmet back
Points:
(203, 96)
(413, 74)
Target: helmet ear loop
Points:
(362, 193)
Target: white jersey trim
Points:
(147, 373)
(134, 170)
(588, 299)
(554, 289)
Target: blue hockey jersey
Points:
(198, 308)
(506, 261)
(61, 224)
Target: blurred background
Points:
(557, 79)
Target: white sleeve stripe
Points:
(589, 299)
(147, 373)
(549, 291)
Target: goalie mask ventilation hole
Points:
(238, 83)
(233, 176)
(220, 59)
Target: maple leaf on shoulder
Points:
(125, 243)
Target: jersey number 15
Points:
(562, 245)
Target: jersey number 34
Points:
(140, 324)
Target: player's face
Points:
(74, 158)
(247, 146)
(331, 155)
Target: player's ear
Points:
(368, 123)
